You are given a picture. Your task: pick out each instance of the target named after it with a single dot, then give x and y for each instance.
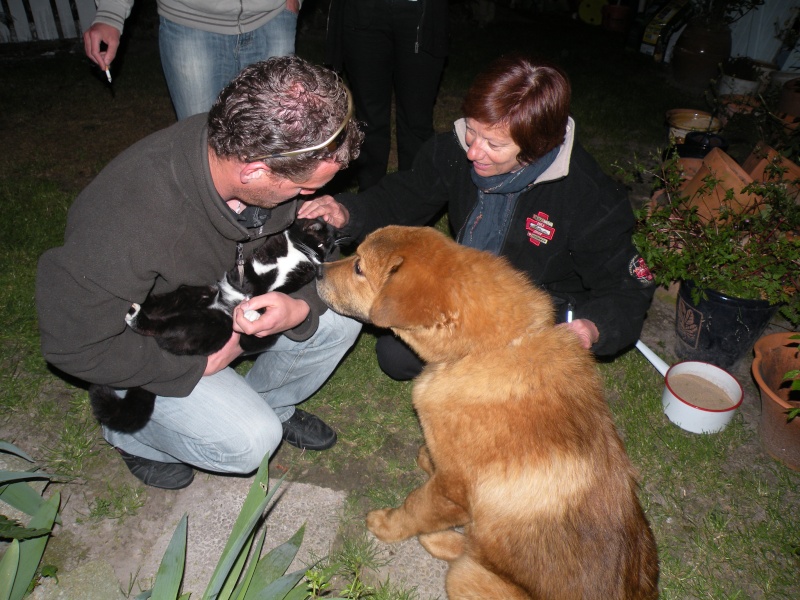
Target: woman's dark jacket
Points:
(570, 231)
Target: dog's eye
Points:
(357, 267)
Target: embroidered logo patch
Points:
(639, 270)
(540, 229)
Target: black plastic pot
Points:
(719, 329)
(699, 143)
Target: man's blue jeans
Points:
(229, 422)
(198, 64)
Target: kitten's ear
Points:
(315, 225)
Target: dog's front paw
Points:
(381, 523)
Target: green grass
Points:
(119, 502)
(74, 445)
(726, 527)
(724, 515)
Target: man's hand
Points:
(282, 313)
(326, 207)
(224, 356)
(293, 6)
(92, 37)
(585, 329)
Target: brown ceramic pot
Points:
(698, 52)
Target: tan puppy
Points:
(520, 446)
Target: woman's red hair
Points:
(529, 96)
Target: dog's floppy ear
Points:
(401, 302)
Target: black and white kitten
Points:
(197, 320)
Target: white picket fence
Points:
(37, 20)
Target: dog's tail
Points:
(127, 414)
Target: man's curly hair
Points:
(281, 104)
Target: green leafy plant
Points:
(264, 578)
(21, 559)
(748, 252)
(722, 12)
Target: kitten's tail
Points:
(127, 414)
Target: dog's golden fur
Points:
(520, 447)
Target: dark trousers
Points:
(397, 359)
(380, 57)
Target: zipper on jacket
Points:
(240, 262)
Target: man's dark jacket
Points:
(151, 221)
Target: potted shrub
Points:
(739, 257)
(776, 370)
(740, 76)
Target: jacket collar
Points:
(560, 166)
(225, 220)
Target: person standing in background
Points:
(386, 46)
(203, 43)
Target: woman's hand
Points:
(585, 329)
(326, 207)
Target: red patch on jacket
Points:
(639, 270)
(540, 228)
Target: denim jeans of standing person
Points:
(229, 422)
(198, 64)
(381, 55)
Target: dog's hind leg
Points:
(467, 579)
(444, 545)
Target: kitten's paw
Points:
(132, 313)
(252, 315)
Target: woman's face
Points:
(491, 149)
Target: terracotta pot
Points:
(778, 78)
(789, 100)
(733, 104)
(774, 356)
(730, 176)
(762, 155)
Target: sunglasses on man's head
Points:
(331, 144)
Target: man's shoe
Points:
(308, 432)
(167, 476)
